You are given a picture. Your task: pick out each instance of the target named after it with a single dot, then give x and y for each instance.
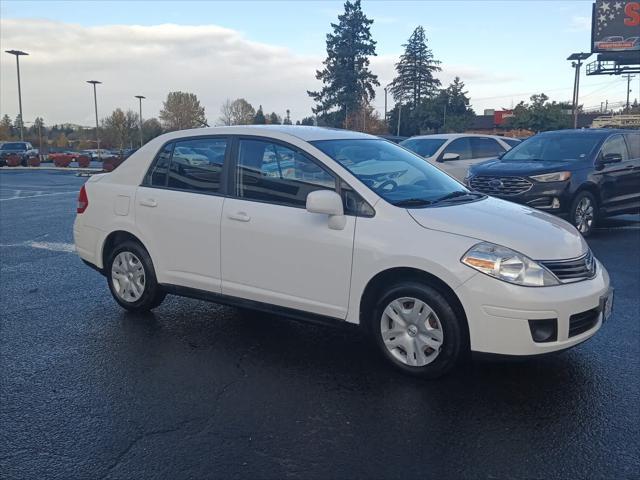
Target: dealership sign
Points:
(615, 26)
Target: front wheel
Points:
(132, 279)
(584, 213)
(417, 330)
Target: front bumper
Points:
(499, 314)
(552, 197)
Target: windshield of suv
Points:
(425, 147)
(14, 146)
(397, 175)
(553, 148)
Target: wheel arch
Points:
(388, 277)
(590, 187)
(115, 238)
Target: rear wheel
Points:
(584, 213)
(132, 279)
(417, 330)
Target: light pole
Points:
(18, 53)
(140, 97)
(95, 103)
(628, 77)
(576, 63)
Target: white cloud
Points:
(213, 62)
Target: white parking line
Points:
(35, 196)
(51, 246)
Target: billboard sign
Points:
(615, 26)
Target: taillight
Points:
(83, 200)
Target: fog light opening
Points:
(555, 203)
(545, 330)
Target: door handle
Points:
(148, 202)
(239, 217)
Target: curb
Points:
(59, 169)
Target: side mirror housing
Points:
(329, 203)
(447, 157)
(610, 158)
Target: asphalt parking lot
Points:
(197, 390)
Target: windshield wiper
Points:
(413, 202)
(450, 195)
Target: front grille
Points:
(573, 270)
(581, 322)
(503, 186)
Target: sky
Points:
(268, 51)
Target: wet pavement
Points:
(197, 390)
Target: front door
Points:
(178, 211)
(617, 187)
(273, 250)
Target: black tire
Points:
(578, 211)
(453, 344)
(152, 295)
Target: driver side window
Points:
(615, 144)
(459, 146)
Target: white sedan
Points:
(455, 153)
(341, 226)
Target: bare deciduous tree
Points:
(182, 110)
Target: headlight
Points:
(552, 177)
(508, 265)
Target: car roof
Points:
(302, 132)
(600, 132)
(448, 136)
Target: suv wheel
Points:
(416, 328)
(584, 213)
(132, 279)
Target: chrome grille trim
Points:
(508, 186)
(572, 270)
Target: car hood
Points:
(521, 168)
(536, 234)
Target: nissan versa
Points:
(336, 225)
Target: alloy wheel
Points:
(584, 215)
(411, 331)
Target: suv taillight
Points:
(83, 200)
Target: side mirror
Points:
(328, 202)
(447, 157)
(610, 158)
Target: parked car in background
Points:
(432, 270)
(454, 153)
(581, 174)
(23, 150)
(393, 138)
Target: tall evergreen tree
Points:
(6, 128)
(287, 119)
(275, 119)
(348, 84)
(415, 78)
(259, 118)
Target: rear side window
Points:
(485, 147)
(271, 172)
(157, 176)
(460, 146)
(196, 165)
(633, 143)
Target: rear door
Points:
(178, 211)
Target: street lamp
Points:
(95, 102)
(18, 53)
(140, 97)
(576, 62)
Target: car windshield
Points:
(397, 175)
(14, 146)
(425, 147)
(553, 148)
